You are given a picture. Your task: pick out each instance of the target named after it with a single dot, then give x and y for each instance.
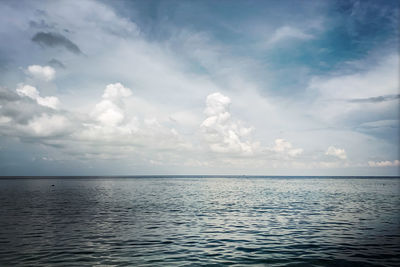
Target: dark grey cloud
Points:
(7, 95)
(56, 63)
(53, 39)
(41, 24)
(376, 99)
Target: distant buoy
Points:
(52, 185)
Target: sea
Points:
(200, 221)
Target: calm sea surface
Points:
(200, 221)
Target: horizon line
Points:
(195, 176)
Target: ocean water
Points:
(195, 221)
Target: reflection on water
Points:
(196, 221)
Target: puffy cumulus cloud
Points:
(113, 123)
(217, 104)
(116, 91)
(31, 92)
(222, 133)
(17, 110)
(48, 101)
(28, 90)
(47, 125)
(284, 147)
(386, 163)
(109, 111)
(336, 152)
(26, 115)
(45, 73)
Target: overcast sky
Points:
(199, 87)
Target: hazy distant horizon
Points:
(195, 176)
(98, 87)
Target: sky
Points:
(199, 87)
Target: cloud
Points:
(20, 110)
(116, 91)
(56, 63)
(4, 119)
(376, 99)
(222, 133)
(295, 152)
(34, 118)
(386, 163)
(336, 152)
(380, 78)
(7, 95)
(380, 124)
(281, 145)
(363, 94)
(114, 124)
(160, 122)
(48, 125)
(287, 32)
(45, 73)
(52, 39)
(108, 111)
(111, 123)
(284, 147)
(31, 92)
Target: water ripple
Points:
(200, 221)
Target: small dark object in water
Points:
(52, 185)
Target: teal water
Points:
(195, 221)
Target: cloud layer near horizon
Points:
(102, 92)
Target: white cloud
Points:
(110, 110)
(45, 73)
(4, 119)
(221, 132)
(31, 92)
(48, 101)
(165, 112)
(295, 152)
(284, 147)
(333, 94)
(281, 145)
(48, 125)
(108, 113)
(386, 163)
(114, 124)
(336, 152)
(381, 78)
(287, 32)
(116, 91)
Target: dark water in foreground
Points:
(200, 221)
